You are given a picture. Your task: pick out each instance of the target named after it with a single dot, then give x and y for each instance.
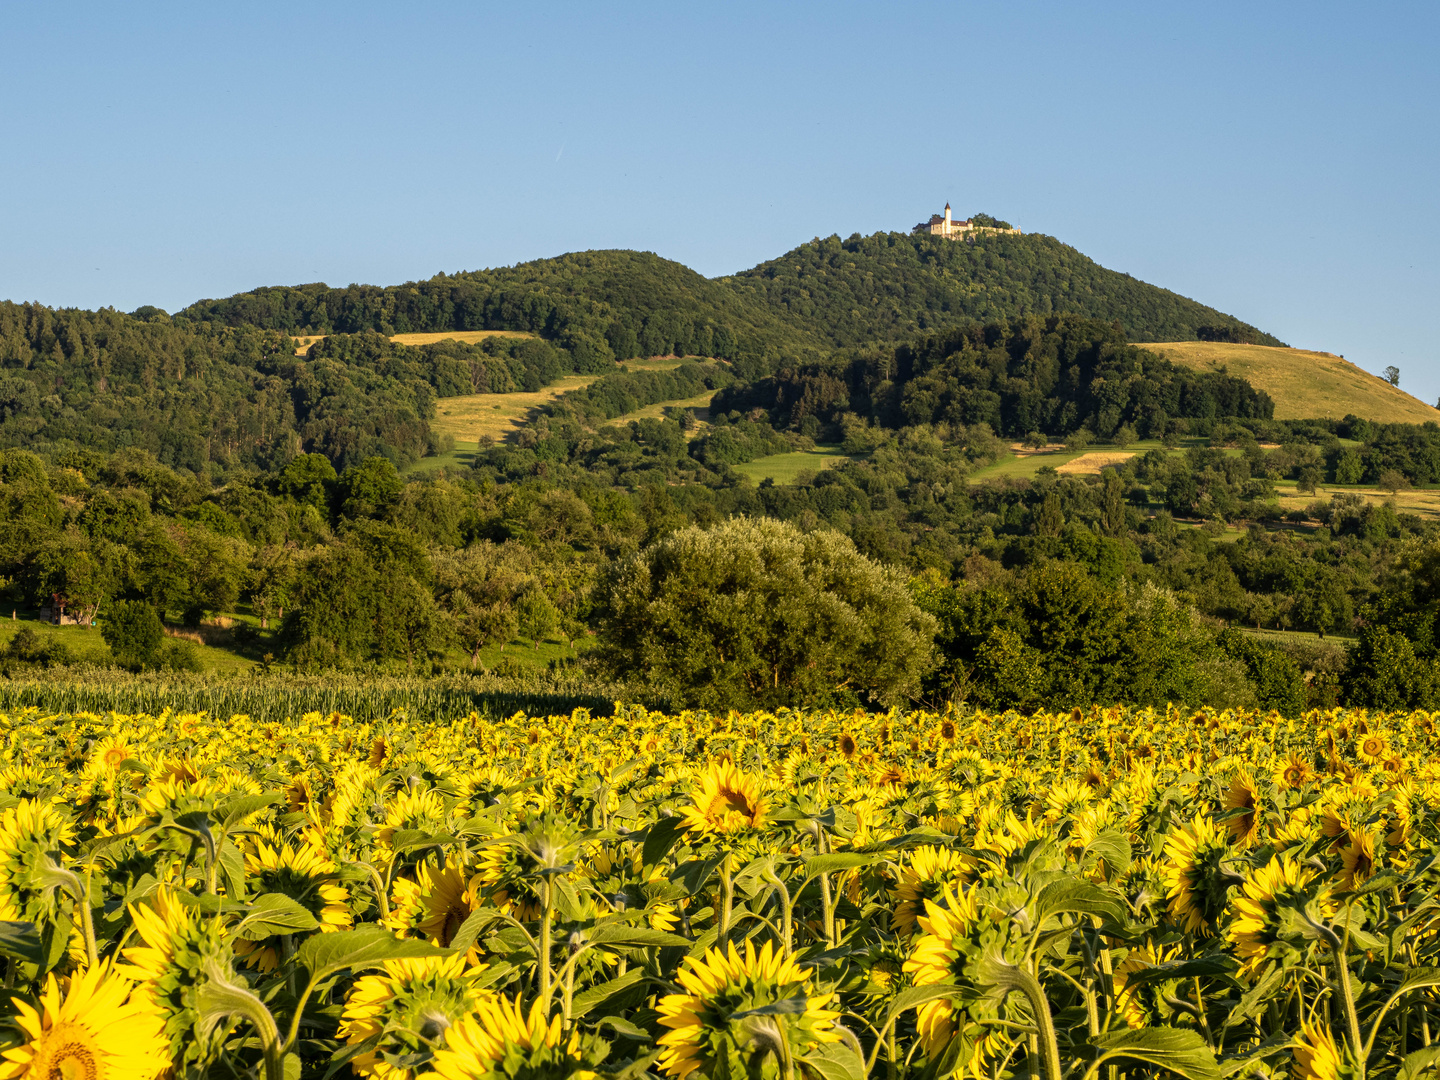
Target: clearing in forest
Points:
(469, 337)
(473, 417)
(1304, 385)
(1091, 464)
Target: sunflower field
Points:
(828, 895)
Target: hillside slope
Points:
(827, 294)
(892, 286)
(598, 305)
(1304, 385)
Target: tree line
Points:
(1055, 375)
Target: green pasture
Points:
(785, 468)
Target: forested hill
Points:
(1057, 375)
(604, 305)
(597, 305)
(893, 286)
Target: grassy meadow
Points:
(1304, 385)
(785, 468)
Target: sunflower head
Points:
(408, 1009)
(98, 1029)
(170, 969)
(932, 872)
(499, 1040)
(716, 1027)
(1259, 927)
(1373, 748)
(1317, 1057)
(1194, 879)
(305, 874)
(1243, 801)
(33, 836)
(727, 801)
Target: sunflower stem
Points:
(1340, 948)
(829, 908)
(87, 920)
(544, 950)
(727, 900)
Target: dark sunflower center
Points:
(727, 802)
(71, 1056)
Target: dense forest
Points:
(893, 286)
(829, 293)
(1054, 375)
(600, 306)
(1058, 587)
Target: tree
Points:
(537, 614)
(754, 613)
(1392, 480)
(478, 589)
(1392, 375)
(1349, 468)
(1124, 436)
(1384, 672)
(1112, 504)
(307, 479)
(133, 631)
(368, 489)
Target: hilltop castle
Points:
(956, 230)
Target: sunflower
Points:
(1127, 997)
(1293, 773)
(33, 835)
(410, 1007)
(1066, 799)
(499, 1040)
(1316, 1055)
(170, 969)
(931, 873)
(1357, 859)
(307, 876)
(727, 801)
(1192, 875)
(436, 903)
(1373, 748)
(702, 1036)
(97, 1030)
(1282, 882)
(938, 957)
(506, 874)
(1243, 796)
(111, 752)
(415, 808)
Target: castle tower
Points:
(947, 220)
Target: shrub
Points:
(133, 632)
(28, 647)
(756, 613)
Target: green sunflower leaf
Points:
(589, 1000)
(275, 913)
(22, 941)
(835, 1061)
(1182, 1052)
(366, 947)
(848, 860)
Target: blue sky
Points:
(1278, 161)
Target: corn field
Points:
(282, 697)
(827, 895)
